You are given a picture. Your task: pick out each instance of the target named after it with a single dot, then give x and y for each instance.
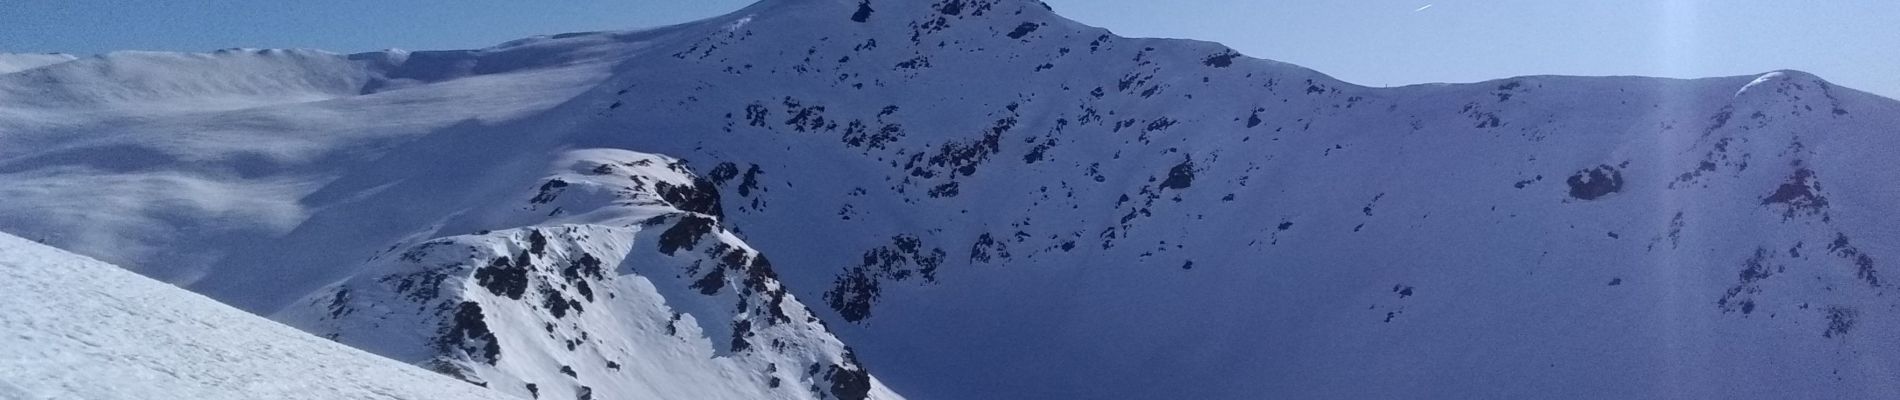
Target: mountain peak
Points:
(1785, 76)
(903, 11)
(577, 215)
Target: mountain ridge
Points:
(1002, 195)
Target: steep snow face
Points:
(991, 201)
(80, 328)
(622, 286)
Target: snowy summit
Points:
(851, 199)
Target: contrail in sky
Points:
(1426, 7)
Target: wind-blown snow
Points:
(986, 200)
(77, 328)
(11, 62)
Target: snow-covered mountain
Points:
(620, 282)
(985, 200)
(12, 62)
(78, 328)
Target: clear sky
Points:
(1371, 42)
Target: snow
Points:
(983, 199)
(239, 160)
(596, 299)
(80, 328)
(11, 62)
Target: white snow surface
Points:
(16, 62)
(986, 200)
(78, 328)
(622, 289)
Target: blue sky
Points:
(1371, 42)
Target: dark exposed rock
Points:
(1024, 30)
(469, 334)
(854, 291)
(579, 270)
(339, 304)
(1754, 270)
(1223, 60)
(864, 11)
(1594, 183)
(723, 173)
(741, 330)
(806, 118)
(702, 197)
(1719, 120)
(1527, 182)
(755, 115)
(858, 134)
(750, 183)
(951, 7)
(504, 278)
(1863, 264)
(537, 242)
(963, 157)
(549, 191)
(1840, 321)
(556, 304)
(1799, 194)
(1181, 176)
(711, 282)
(685, 234)
(852, 294)
(945, 190)
(919, 62)
(758, 273)
(849, 382)
(987, 248)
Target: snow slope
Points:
(83, 329)
(622, 285)
(14, 62)
(992, 201)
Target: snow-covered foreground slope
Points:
(991, 201)
(77, 328)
